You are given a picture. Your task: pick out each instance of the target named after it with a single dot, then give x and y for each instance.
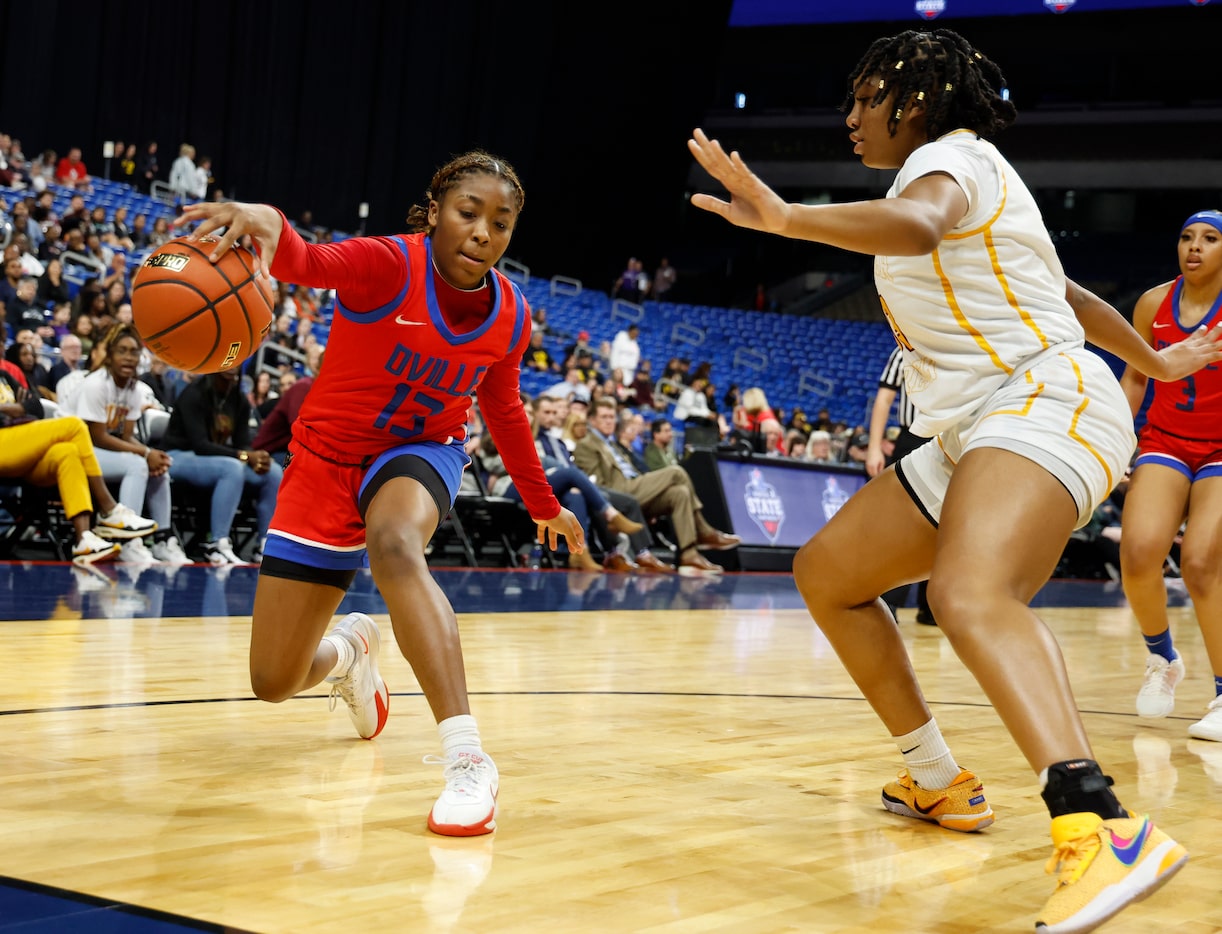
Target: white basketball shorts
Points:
(1062, 409)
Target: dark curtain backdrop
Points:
(322, 105)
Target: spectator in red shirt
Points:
(276, 430)
(71, 171)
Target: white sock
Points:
(927, 756)
(345, 655)
(458, 734)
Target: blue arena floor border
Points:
(30, 908)
(53, 590)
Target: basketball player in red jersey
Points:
(1178, 476)
(422, 321)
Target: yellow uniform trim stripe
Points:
(1073, 426)
(961, 318)
(1011, 298)
(985, 232)
(1026, 409)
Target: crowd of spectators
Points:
(68, 261)
(61, 313)
(686, 397)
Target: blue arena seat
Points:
(849, 354)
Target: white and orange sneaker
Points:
(467, 807)
(961, 806)
(361, 687)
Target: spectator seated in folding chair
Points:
(58, 452)
(665, 492)
(276, 429)
(576, 492)
(605, 514)
(110, 402)
(208, 441)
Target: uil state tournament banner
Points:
(746, 13)
(779, 504)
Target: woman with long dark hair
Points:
(1032, 432)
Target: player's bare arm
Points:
(875, 461)
(1107, 328)
(911, 225)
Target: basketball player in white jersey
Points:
(1031, 433)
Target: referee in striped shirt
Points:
(891, 391)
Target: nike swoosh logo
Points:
(1127, 850)
(904, 752)
(363, 641)
(1162, 325)
(926, 811)
(382, 707)
(399, 319)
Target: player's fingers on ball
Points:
(204, 225)
(223, 247)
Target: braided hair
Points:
(959, 86)
(455, 170)
(121, 329)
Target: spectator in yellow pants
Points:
(58, 451)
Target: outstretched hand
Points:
(1197, 350)
(236, 219)
(752, 204)
(564, 525)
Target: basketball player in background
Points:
(1178, 476)
(1032, 431)
(421, 321)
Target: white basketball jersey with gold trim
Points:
(989, 297)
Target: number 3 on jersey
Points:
(1189, 387)
(420, 400)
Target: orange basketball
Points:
(200, 316)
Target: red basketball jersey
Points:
(396, 373)
(1190, 407)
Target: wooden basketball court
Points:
(676, 755)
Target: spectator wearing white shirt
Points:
(183, 179)
(569, 388)
(203, 178)
(625, 354)
(693, 403)
(110, 402)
